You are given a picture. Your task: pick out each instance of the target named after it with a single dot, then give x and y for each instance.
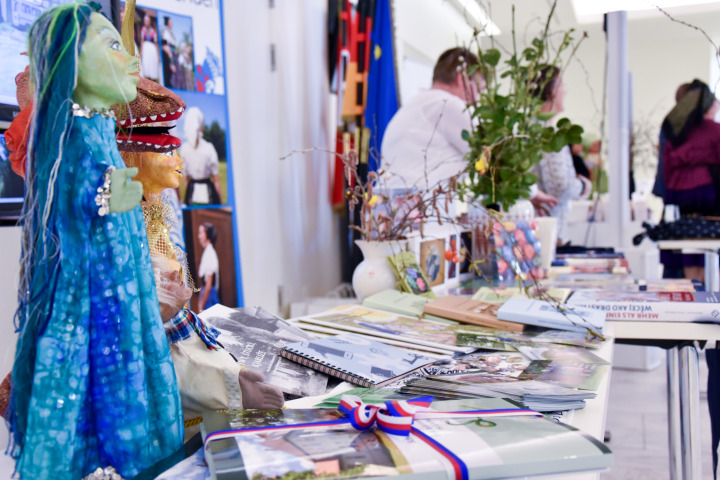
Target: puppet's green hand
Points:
(125, 194)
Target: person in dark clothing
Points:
(691, 167)
(578, 161)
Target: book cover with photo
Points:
(499, 295)
(562, 354)
(566, 337)
(580, 375)
(538, 396)
(379, 323)
(255, 342)
(356, 359)
(500, 447)
(649, 306)
(410, 274)
(508, 364)
(550, 315)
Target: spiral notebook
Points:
(356, 359)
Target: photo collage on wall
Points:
(180, 47)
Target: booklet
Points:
(489, 447)
(550, 315)
(356, 359)
(255, 340)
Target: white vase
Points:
(374, 274)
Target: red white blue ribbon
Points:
(397, 417)
(392, 417)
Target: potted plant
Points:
(510, 133)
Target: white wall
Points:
(288, 240)
(10, 268)
(658, 66)
(423, 30)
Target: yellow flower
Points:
(373, 200)
(481, 164)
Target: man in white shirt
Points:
(423, 144)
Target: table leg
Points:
(712, 271)
(690, 417)
(674, 422)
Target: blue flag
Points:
(382, 96)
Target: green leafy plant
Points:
(510, 133)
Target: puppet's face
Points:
(107, 73)
(158, 171)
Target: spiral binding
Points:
(324, 367)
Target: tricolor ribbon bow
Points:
(396, 417)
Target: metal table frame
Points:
(682, 385)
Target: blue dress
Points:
(103, 388)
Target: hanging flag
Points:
(382, 96)
(359, 28)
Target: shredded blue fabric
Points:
(93, 380)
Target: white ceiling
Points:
(648, 24)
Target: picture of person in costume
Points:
(147, 38)
(209, 270)
(202, 177)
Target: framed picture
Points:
(432, 260)
(210, 246)
(410, 274)
(452, 256)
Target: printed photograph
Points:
(432, 253)
(176, 43)
(465, 252)
(203, 131)
(452, 256)
(255, 343)
(210, 246)
(147, 42)
(411, 274)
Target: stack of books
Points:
(484, 446)
(651, 306)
